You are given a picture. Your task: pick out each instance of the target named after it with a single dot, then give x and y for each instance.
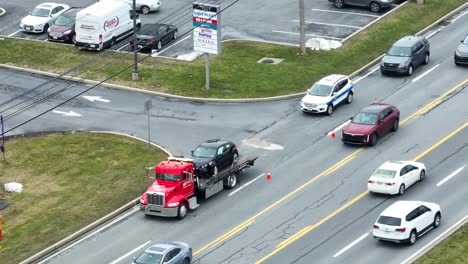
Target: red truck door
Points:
(188, 187)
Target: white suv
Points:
(327, 93)
(42, 16)
(405, 221)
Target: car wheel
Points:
(396, 124)
(426, 59)
(113, 42)
(231, 181)
(422, 174)
(159, 45)
(215, 170)
(374, 7)
(437, 219)
(182, 212)
(235, 157)
(401, 190)
(382, 72)
(46, 27)
(349, 98)
(410, 70)
(174, 36)
(330, 109)
(338, 3)
(374, 139)
(145, 9)
(412, 237)
(186, 261)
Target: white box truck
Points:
(103, 24)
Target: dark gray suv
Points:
(374, 5)
(405, 55)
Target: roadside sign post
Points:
(148, 106)
(207, 32)
(2, 145)
(154, 54)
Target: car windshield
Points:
(320, 90)
(40, 12)
(167, 177)
(65, 21)
(365, 119)
(388, 220)
(386, 174)
(204, 152)
(149, 258)
(399, 51)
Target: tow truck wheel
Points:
(182, 212)
(231, 181)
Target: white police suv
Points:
(327, 93)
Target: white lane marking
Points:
(338, 128)
(247, 184)
(69, 113)
(124, 46)
(131, 252)
(450, 176)
(134, 210)
(343, 12)
(14, 33)
(365, 76)
(424, 74)
(433, 33)
(429, 245)
(351, 245)
(328, 24)
(168, 47)
(310, 35)
(455, 19)
(95, 98)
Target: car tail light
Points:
(369, 181)
(234, 146)
(151, 40)
(390, 183)
(403, 229)
(376, 227)
(100, 39)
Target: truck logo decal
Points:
(113, 23)
(87, 27)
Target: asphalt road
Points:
(265, 20)
(307, 152)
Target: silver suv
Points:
(405, 55)
(374, 5)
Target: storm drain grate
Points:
(270, 60)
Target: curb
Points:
(93, 225)
(2, 11)
(436, 241)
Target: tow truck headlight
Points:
(173, 204)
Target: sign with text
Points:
(207, 32)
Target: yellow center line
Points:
(333, 168)
(308, 229)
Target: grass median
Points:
(453, 250)
(69, 182)
(235, 73)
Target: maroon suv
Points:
(63, 29)
(371, 123)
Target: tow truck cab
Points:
(173, 189)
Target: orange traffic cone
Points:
(268, 175)
(333, 135)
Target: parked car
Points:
(214, 155)
(327, 93)
(42, 16)
(63, 29)
(374, 5)
(145, 6)
(405, 221)
(371, 123)
(154, 36)
(405, 55)
(167, 253)
(394, 177)
(461, 53)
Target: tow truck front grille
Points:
(155, 199)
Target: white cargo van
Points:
(103, 24)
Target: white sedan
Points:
(325, 95)
(42, 16)
(394, 177)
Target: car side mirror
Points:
(191, 152)
(334, 93)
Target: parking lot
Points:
(275, 21)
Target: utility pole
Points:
(135, 73)
(301, 25)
